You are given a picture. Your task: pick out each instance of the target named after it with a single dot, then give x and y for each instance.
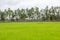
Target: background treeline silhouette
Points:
(32, 14)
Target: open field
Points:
(30, 31)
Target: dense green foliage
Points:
(32, 14)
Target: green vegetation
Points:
(31, 14)
(30, 31)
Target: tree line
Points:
(32, 14)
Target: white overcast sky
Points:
(14, 4)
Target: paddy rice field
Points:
(30, 31)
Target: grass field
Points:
(30, 31)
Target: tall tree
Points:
(37, 12)
(52, 13)
(30, 12)
(23, 14)
(2, 16)
(11, 14)
(47, 13)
